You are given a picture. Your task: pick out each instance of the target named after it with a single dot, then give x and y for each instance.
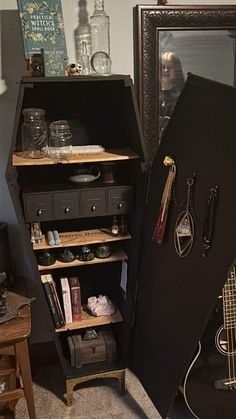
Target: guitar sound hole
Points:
(226, 341)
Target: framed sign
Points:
(170, 42)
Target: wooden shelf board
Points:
(91, 369)
(108, 155)
(88, 320)
(82, 238)
(116, 256)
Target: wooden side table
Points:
(13, 342)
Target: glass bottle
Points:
(115, 227)
(60, 139)
(85, 61)
(83, 32)
(100, 29)
(123, 229)
(34, 133)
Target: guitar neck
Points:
(229, 301)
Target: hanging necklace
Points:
(184, 226)
(209, 222)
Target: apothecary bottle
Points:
(100, 29)
(60, 139)
(83, 32)
(34, 133)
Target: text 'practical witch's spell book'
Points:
(43, 29)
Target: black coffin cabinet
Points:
(168, 299)
(101, 111)
(177, 295)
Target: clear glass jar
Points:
(34, 133)
(100, 29)
(60, 140)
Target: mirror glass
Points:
(207, 53)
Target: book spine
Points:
(20, 5)
(51, 302)
(66, 299)
(56, 299)
(75, 299)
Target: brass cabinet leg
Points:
(71, 383)
(121, 379)
(69, 392)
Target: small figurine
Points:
(36, 233)
(74, 69)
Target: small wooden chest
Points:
(100, 349)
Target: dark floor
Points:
(179, 410)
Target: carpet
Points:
(96, 399)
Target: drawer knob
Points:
(40, 211)
(93, 208)
(66, 210)
(120, 205)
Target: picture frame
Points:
(197, 35)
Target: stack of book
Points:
(69, 308)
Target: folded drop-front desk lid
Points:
(177, 295)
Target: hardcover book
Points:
(42, 28)
(65, 288)
(56, 299)
(75, 298)
(51, 301)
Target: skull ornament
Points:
(74, 69)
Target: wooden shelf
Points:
(108, 155)
(82, 238)
(116, 256)
(88, 320)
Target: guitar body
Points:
(207, 392)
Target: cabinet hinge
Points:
(29, 85)
(12, 176)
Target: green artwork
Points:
(43, 28)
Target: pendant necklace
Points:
(184, 226)
(209, 222)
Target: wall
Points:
(121, 16)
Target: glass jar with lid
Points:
(60, 139)
(34, 133)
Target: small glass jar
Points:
(34, 133)
(60, 140)
(103, 251)
(85, 254)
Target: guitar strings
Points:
(230, 322)
(228, 330)
(233, 325)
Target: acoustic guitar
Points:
(209, 386)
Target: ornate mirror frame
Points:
(149, 21)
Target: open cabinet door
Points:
(176, 295)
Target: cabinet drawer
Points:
(120, 200)
(92, 203)
(65, 205)
(38, 207)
